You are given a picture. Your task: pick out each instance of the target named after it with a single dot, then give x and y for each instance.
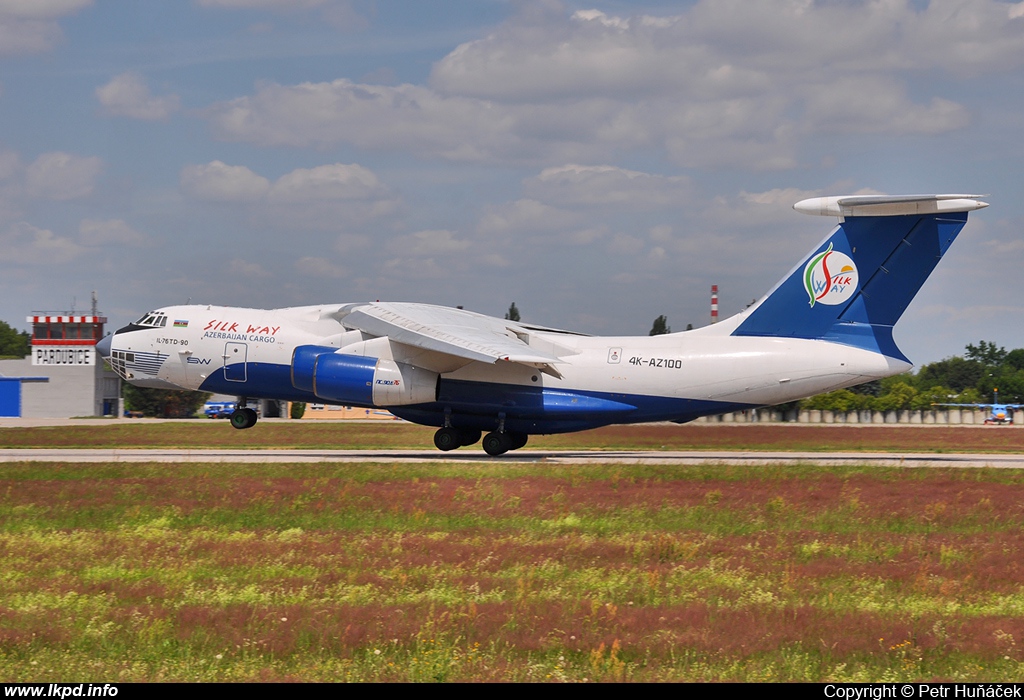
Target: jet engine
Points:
(367, 381)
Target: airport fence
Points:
(955, 416)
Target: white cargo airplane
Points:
(826, 325)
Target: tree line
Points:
(13, 343)
(971, 378)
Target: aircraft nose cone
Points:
(103, 347)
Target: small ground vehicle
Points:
(218, 409)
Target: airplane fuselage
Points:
(826, 325)
(613, 379)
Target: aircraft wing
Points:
(456, 332)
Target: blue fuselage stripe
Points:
(525, 409)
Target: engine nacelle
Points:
(303, 362)
(366, 381)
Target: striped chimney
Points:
(714, 303)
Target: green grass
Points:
(455, 572)
(193, 434)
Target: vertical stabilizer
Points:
(855, 285)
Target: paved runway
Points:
(888, 459)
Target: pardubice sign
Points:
(67, 356)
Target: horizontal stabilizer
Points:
(889, 205)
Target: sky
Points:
(599, 163)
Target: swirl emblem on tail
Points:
(830, 277)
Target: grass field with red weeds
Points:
(509, 571)
(393, 435)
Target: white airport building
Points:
(63, 376)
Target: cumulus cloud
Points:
(738, 83)
(245, 268)
(879, 104)
(727, 48)
(26, 36)
(24, 244)
(328, 182)
(94, 232)
(440, 255)
(127, 95)
(30, 26)
(524, 215)
(40, 9)
(753, 210)
(375, 116)
(325, 197)
(419, 268)
(62, 176)
(429, 243)
(606, 185)
(350, 242)
(599, 208)
(310, 266)
(10, 164)
(418, 120)
(625, 244)
(217, 181)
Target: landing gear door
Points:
(234, 361)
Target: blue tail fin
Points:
(857, 283)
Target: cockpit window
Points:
(153, 319)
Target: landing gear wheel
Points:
(447, 439)
(497, 444)
(517, 440)
(469, 436)
(243, 418)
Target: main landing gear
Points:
(494, 444)
(450, 438)
(242, 417)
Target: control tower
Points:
(63, 376)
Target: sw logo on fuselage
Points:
(830, 277)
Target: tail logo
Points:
(830, 277)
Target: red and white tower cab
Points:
(65, 340)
